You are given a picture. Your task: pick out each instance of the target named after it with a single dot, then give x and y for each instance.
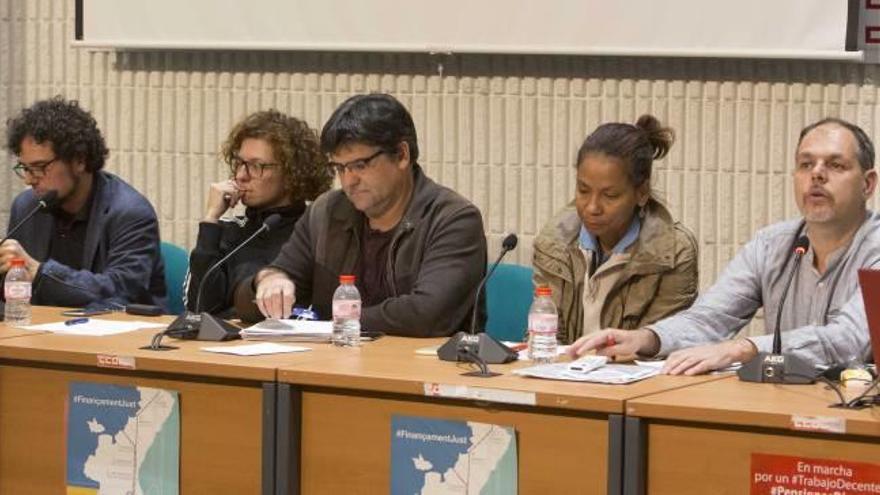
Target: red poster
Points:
(787, 475)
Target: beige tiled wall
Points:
(502, 130)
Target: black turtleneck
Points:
(217, 239)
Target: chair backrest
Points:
(509, 294)
(176, 262)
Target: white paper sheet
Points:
(256, 349)
(94, 327)
(615, 374)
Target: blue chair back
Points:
(509, 293)
(176, 262)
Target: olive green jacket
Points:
(659, 280)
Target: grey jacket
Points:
(435, 262)
(833, 329)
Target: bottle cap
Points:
(346, 279)
(543, 290)
(16, 262)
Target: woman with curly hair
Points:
(276, 165)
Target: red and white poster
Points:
(788, 475)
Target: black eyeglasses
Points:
(252, 168)
(35, 170)
(358, 165)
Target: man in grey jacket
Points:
(822, 316)
(417, 249)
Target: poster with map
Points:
(435, 456)
(122, 440)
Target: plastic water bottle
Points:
(543, 322)
(17, 291)
(347, 313)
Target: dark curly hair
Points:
(295, 146)
(72, 132)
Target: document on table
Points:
(256, 349)
(290, 330)
(615, 374)
(95, 327)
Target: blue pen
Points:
(76, 321)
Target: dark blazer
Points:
(121, 260)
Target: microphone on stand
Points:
(776, 367)
(203, 325)
(48, 200)
(480, 348)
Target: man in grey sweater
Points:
(822, 317)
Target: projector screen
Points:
(703, 28)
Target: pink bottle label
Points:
(542, 323)
(347, 309)
(17, 290)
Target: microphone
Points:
(480, 348)
(800, 248)
(202, 325)
(508, 244)
(776, 367)
(48, 200)
(270, 223)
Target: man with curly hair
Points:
(417, 248)
(276, 166)
(99, 245)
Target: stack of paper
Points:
(290, 330)
(610, 373)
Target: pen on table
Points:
(76, 321)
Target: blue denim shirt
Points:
(589, 242)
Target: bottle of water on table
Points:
(346, 313)
(543, 322)
(17, 291)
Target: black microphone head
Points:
(509, 242)
(272, 221)
(801, 245)
(49, 199)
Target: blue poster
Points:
(122, 439)
(433, 456)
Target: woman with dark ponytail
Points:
(615, 257)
